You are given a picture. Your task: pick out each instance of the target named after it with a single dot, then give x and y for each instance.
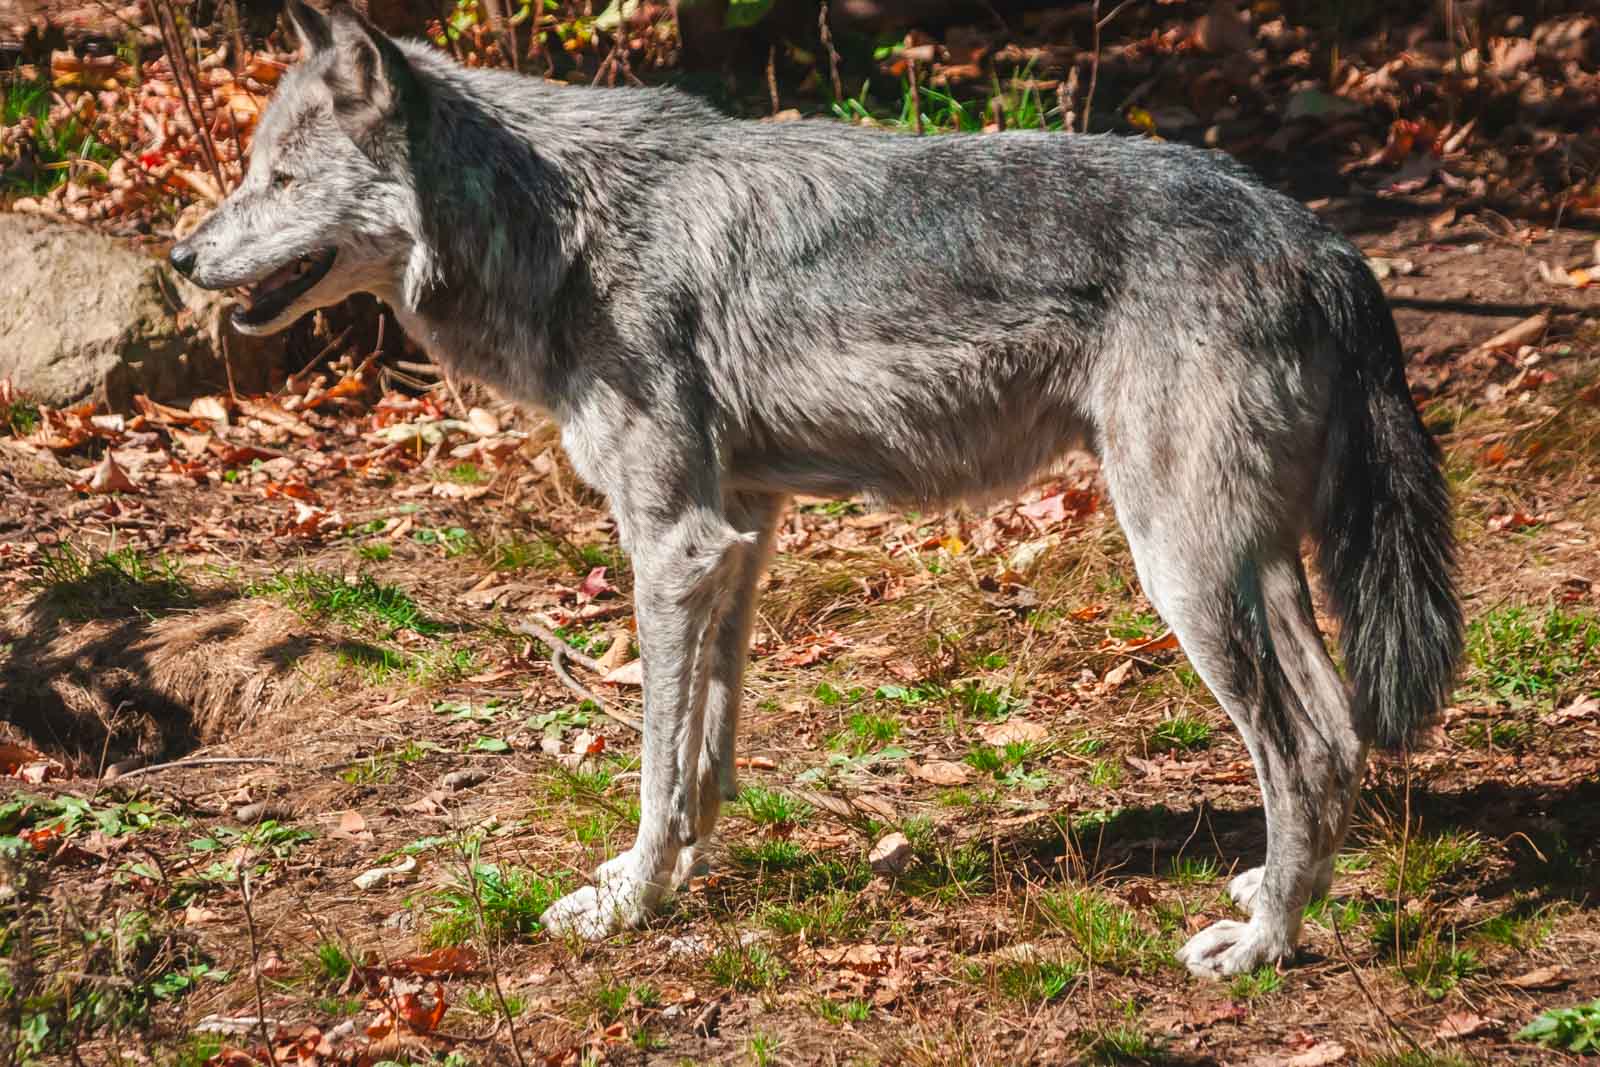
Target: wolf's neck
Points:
(514, 192)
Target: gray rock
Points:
(83, 315)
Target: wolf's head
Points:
(326, 207)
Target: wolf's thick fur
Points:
(721, 313)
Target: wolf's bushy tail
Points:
(1386, 546)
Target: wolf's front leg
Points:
(685, 574)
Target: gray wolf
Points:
(721, 313)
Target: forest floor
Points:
(323, 587)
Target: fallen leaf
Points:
(352, 827)
(891, 855)
(627, 674)
(1551, 977)
(1318, 1055)
(1116, 676)
(108, 477)
(453, 961)
(1000, 734)
(939, 771)
(404, 870)
(1464, 1024)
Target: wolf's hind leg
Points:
(752, 514)
(1242, 613)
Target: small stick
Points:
(468, 861)
(833, 54)
(916, 99)
(201, 761)
(1094, 67)
(255, 961)
(1355, 972)
(560, 652)
(772, 75)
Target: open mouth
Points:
(272, 295)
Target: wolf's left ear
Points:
(373, 83)
(310, 26)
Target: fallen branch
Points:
(202, 761)
(560, 652)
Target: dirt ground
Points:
(311, 602)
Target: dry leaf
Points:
(1000, 734)
(1464, 1024)
(627, 674)
(1551, 977)
(108, 477)
(1318, 1055)
(939, 771)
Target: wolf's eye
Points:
(280, 180)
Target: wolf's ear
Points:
(373, 83)
(310, 26)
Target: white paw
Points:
(1226, 948)
(1244, 888)
(691, 864)
(619, 900)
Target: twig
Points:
(468, 858)
(916, 98)
(1094, 63)
(183, 76)
(1355, 972)
(255, 960)
(772, 76)
(203, 761)
(560, 652)
(833, 54)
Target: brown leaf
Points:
(1318, 1055)
(939, 771)
(1000, 734)
(1465, 1024)
(108, 477)
(1552, 977)
(454, 961)
(352, 827)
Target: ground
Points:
(311, 603)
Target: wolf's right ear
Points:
(310, 25)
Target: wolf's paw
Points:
(692, 863)
(1226, 948)
(1243, 889)
(619, 900)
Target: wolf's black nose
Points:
(183, 259)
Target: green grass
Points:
(841, 1012)
(1509, 735)
(1260, 982)
(746, 968)
(1180, 733)
(1522, 656)
(467, 474)
(360, 602)
(1188, 870)
(53, 145)
(1415, 868)
(79, 586)
(513, 899)
(516, 554)
(482, 1001)
(772, 809)
(333, 962)
(1035, 982)
(1103, 929)
(1123, 1043)
(771, 855)
(865, 732)
(1105, 773)
(832, 915)
(19, 417)
(613, 1000)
